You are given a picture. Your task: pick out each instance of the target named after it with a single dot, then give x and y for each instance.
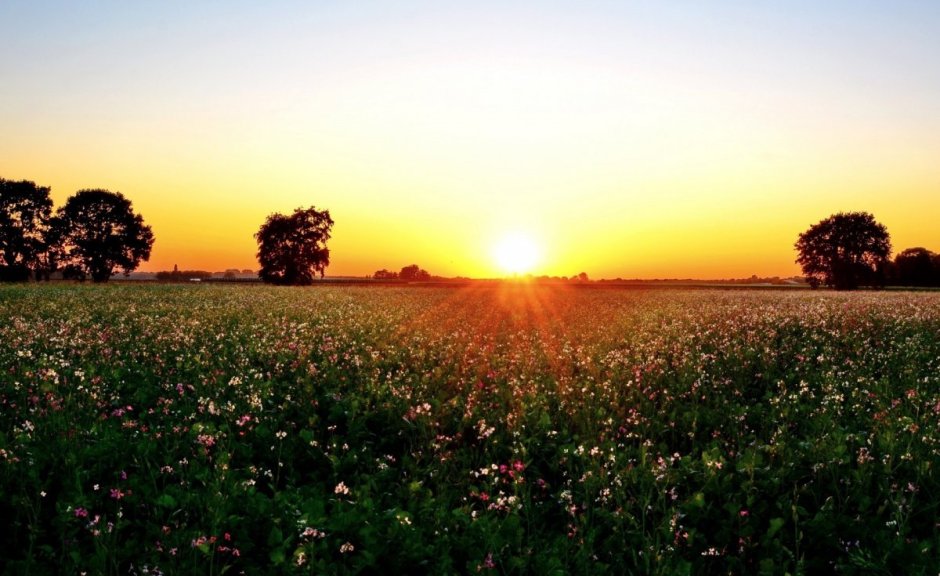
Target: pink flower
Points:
(487, 563)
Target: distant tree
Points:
(384, 274)
(582, 277)
(177, 275)
(97, 231)
(25, 211)
(917, 267)
(292, 249)
(413, 273)
(845, 251)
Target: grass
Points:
(494, 429)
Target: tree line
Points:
(410, 273)
(97, 232)
(852, 249)
(94, 233)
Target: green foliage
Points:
(507, 429)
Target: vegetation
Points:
(94, 233)
(25, 210)
(177, 275)
(410, 273)
(845, 251)
(97, 231)
(292, 249)
(916, 267)
(513, 428)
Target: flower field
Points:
(491, 429)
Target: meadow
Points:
(490, 429)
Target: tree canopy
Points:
(25, 210)
(414, 273)
(845, 251)
(384, 274)
(97, 231)
(917, 267)
(292, 249)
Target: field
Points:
(506, 429)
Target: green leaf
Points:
(775, 525)
(166, 501)
(275, 537)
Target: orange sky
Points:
(673, 140)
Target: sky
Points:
(678, 139)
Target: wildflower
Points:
(207, 440)
(487, 563)
(341, 489)
(347, 547)
(311, 533)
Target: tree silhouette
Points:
(845, 251)
(414, 273)
(917, 267)
(384, 274)
(25, 210)
(97, 231)
(292, 249)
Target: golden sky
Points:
(625, 139)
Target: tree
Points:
(291, 249)
(25, 210)
(916, 267)
(384, 274)
(414, 273)
(845, 251)
(97, 231)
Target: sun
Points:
(516, 253)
